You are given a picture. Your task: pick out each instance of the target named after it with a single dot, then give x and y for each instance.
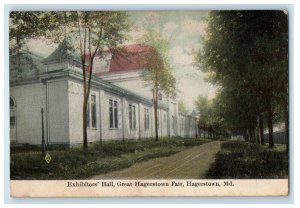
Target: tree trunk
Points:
(84, 127)
(261, 129)
(250, 132)
(270, 126)
(199, 131)
(155, 95)
(287, 127)
(254, 135)
(84, 114)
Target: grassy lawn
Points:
(74, 163)
(238, 159)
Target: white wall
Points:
(173, 112)
(163, 125)
(64, 119)
(134, 132)
(57, 66)
(29, 101)
(146, 133)
(132, 80)
(58, 112)
(75, 92)
(108, 133)
(186, 125)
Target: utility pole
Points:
(43, 138)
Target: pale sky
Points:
(184, 30)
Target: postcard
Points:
(149, 103)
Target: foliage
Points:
(239, 160)
(181, 106)
(75, 163)
(23, 26)
(91, 32)
(246, 53)
(95, 31)
(209, 116)
(158, 73)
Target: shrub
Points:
(75, 163)
(248, 160)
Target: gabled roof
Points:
(63, 52)
(130, 57)
(26, 59)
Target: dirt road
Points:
(189, 163)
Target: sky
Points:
(183, 30)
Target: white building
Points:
(120, 104)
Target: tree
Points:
(181, 106)
(23, 26)
(96, 31)
(203, 108)
(91, 32)
(246, 52)
(158, 72)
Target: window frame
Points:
(113, 113)
(93, 107)
(12, 113)
(132, 116)
(146, 118)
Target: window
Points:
(147, 118)
(116, 113)
(132, 120)
(111, 123)
(88, 114)
(165, 118)
(113, 114)
(12, 114)
(12, 119)
(94, 110)
(91, 112)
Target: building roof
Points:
(28, 56)
(25, 61)
(130, 57)
(63, 52)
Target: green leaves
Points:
(245, 52)
(158, 70)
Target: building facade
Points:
(46, 97)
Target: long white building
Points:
(120, 104)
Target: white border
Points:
(229, 200)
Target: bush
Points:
(75, 163)
(248, 160)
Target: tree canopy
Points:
(246, 53)
(158, 73)
(88, 32)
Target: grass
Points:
(243, 160)
(74, 163)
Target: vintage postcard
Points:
(149, 103)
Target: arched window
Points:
(12, 105)
(11, 102)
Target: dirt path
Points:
(189, 163)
